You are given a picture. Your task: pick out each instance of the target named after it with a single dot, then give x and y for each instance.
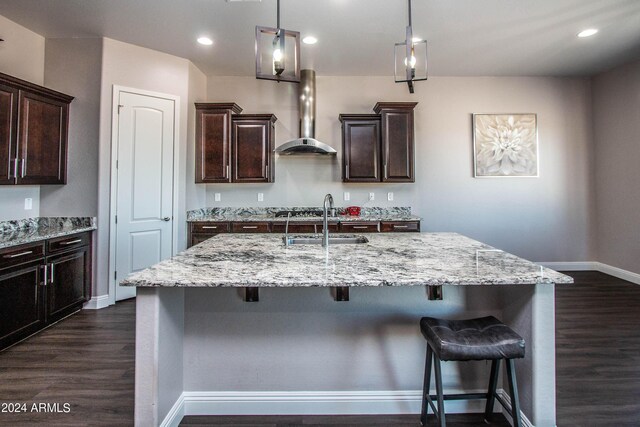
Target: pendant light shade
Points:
(277, 53)
(410, 58)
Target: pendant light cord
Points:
(408, 2)
(278, 14)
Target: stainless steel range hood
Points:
(306, 144)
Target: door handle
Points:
(24, 167)
(166, 218)
(53, 270)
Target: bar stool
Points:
(485, 338)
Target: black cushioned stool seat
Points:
(485, 338)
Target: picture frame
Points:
(505, 145)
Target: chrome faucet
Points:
(325, 221)
(286, 230)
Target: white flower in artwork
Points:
(506, 145)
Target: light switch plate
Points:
(261, 197)
(28, 204)
(216, 197)
(372, 196)
(347, 196)
(390, 196)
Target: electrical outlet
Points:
(28, 204)
(372, 196)
(216, 197)
(347, 196)
(261, 197)
(390, 196)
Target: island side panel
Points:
(530, 310)
(159, 355)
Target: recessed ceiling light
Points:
(587, 33)
(205, 41)
(309, 40)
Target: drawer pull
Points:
(249, 227)
(18, 255)
(400, 226)
(209, 226)
(360, 226)
(72, 242)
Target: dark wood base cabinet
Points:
(201, 231)
(41, 283)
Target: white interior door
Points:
(144, 170)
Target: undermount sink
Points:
(317, 240)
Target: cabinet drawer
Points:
(210, 227)
(360, 227)
(250, 227)
(68, 242)
(399, 226)
(21, 254)
(302, 227)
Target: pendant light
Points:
(277, 53)
(410, 58)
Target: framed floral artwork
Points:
(505, 145)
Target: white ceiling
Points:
(356, 37)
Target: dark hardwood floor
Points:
(598, 351)
(87, 361)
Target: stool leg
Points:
(441, 415)
(491, 393)
(426, 385)
(513, 389)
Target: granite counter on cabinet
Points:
(19, 232)
(268, 214)
(420, 259)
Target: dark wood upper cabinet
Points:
(34, 126)
(360, 147)
(42, 140)
(233, 147)
(379, 147)
(213, 141)
(397, 140)
(8, 132)
(252, 149)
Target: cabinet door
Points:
(8, 128)
(69, 276)
(42, 140)
(252, 150)
(397, 146)
(361, 150)
(213, 145)
(21, 302)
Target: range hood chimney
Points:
(306, 144)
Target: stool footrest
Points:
(461, 396)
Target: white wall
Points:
(616, 107)
(140, 68)
(549, 218)
(22, 56)
(74, 66)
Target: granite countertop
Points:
(19, 232)
(406, 259)
(268, 214)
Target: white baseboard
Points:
(572, 266)
(594, 266)
(619, 273)
(507, 399)
(175, 414)
(96, 303)
(314, 403)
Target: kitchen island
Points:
(203, 351)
